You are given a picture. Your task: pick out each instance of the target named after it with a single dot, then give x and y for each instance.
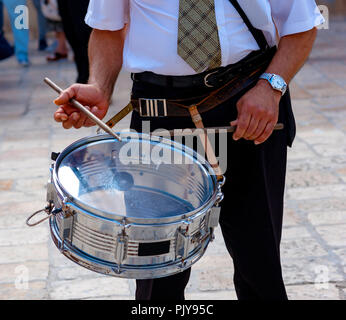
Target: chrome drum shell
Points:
(133, 243)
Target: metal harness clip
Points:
(152, 107)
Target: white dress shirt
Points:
(151, 41)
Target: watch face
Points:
(278, 83)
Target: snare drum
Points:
(142, 208)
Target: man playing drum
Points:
(186, 50)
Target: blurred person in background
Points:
(61, 49)
(54, 23)
(41, 21)
(77, 33)
(6, 50)
(20, 35)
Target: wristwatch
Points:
(277, 82)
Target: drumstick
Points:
(83, 109)
(195, 131)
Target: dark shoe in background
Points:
(57, 56)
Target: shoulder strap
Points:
(257, 34)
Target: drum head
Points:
(137, 177)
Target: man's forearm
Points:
(258, 109)
(105, 56)
(293, 51)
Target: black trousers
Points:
(252, 210)
(77, 33)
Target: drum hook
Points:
(48, 209)
(220, 197)
(221, 182)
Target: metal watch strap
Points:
(266, 76)
(270, 77)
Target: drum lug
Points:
(183, 241)
(182, 246)
(66, 225)
(213, 217)
(50, 187)
(121, 248)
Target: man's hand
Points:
(258, 109)
(87, 94)
(105, 66)
(258, 112)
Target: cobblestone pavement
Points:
(314, 234)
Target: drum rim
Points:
(68, 198)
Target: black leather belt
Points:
(208, 79)
(227, 81)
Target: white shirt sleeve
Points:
(294, 16)
(109, 15)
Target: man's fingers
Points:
(66, 109)
(258, 132)
(71, 121)
(63, 113)
(234, 123)
(251, 128)
(81, 121)
(87, 95)
(66, 95)
(98, 113)
(64, 98)
(266, 133)
(60, 116)
(242, 125)
(89, 122)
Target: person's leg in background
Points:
(41, 21)
(77, 33)
(21, 36)
(61, 50)
(6, 50)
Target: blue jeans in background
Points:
(21, 36)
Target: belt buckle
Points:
(152, 107)
(206, 79)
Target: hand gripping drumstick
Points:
(83, 109)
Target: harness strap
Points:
(257, 34)
(208, 149)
